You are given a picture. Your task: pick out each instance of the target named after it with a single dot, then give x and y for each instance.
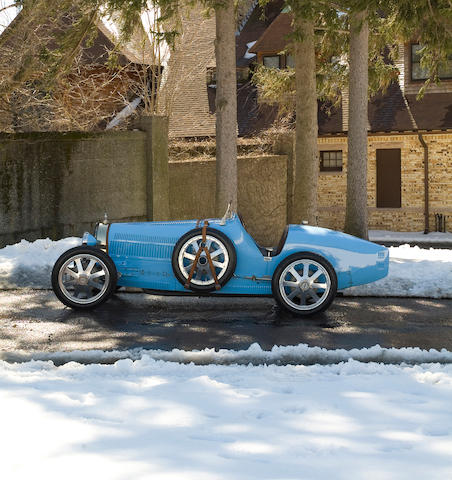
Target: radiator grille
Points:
(145, 246)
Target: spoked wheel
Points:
(222, 254)
(84, 277)
(304, 283)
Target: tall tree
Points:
(226, 98)
(304, 203)
(317, 38)
(356, 206)
(226, 107)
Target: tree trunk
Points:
(226, 108)
(306, 168)
(356, 209)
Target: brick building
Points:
(410, 152)
(409, 143)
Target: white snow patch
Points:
(153, 419)
(124, 113)
(29, 264)
(409, 237)
(249, 55)
(413, 272)
(301, 354)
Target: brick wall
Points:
(410, 217)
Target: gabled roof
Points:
(274, 39)
(136, 50)
(256, 25)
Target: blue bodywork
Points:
(142, 255)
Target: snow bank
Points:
(301, 354)
(152, 419)
(29, 264)
(413, 271)
(410, 237)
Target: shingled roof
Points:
(256, 25)
(389, 112)
(274, 39)
(433, 111)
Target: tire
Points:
(292, 283)
(223, 255)
(75, 274)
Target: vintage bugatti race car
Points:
(216, 257)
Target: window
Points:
(389, 178)
(272, 61)
(331, 161)
(418, 73)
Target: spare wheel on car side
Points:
(223, 259)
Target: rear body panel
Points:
(142, 255)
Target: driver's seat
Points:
(274, 251)
(269, 251)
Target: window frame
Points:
(272, 56)
(335, 169)
(447, 77)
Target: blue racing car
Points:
(216, 257)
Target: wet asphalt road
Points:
(37, 321)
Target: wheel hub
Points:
(83, 278)
(304, 286)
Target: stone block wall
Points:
(60, 184)
(261, 197)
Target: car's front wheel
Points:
(84, 277)
(304, 283)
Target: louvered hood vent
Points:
(144, 246)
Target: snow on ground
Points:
(153, 419)
(301, 354)
(410, 237)
(29, 264)
(413, 271)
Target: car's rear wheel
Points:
(304, 283)
(84, 277)
(222, 254)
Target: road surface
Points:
(35, 321)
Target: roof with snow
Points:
(274, 39)
(390, 111)
(257, 23)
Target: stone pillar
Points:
(156, 128)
